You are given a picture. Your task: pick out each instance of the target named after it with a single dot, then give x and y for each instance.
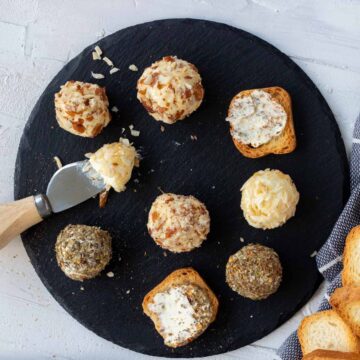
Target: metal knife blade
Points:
(73, 184)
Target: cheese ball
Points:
(114, 163)
(82, 251)
(178, 223)
(170, 89)
(82, 108)
(269, 199)
(254, 272)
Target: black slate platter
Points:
(210, 168)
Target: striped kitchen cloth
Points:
(329, 258)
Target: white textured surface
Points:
(37, 37)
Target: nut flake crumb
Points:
(128, 291)
(82, 288)
(110, 274)
(145, 253)
(58, 162)
(242, 239)
(193, 137)
(162, 128)
(114, 70)
(98, 50)
(95, 56)
(108, 61)
(251, 316)
(134, 132)
(133, 67)
(313, 254)
(114, 109)
(97, 75)
(213, 187)
(165, 253)
(177, 143)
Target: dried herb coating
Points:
(254, 272)
(82, 251)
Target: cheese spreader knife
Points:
(69, 186)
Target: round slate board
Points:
(229, 60)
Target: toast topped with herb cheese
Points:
(261, 122)
(182, 307)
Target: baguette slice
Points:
(284, 143)
(351, 261)
(326, 330)
(331, 355)
(182, 276)
(346, 302)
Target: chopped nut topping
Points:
(98, 50)
(58, 162)
(97, 75)
(108, 61)
(114, 70)
(133, 67)
(95, 56)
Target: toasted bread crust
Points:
(284, 143)
(341, 300)
(348, 276)
(331, 315)
(180, 277)
(331, 355)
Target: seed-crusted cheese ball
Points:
(82, 251)
(178, 223)
(82, 108)
(254, 272)
(269, 199)
(170, 89)
(114, 162)
(183, 312)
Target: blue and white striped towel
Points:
(329, 258)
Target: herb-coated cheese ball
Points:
(82, 251)
(254, 272)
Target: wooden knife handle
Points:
(16, 217)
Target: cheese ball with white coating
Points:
(269, 198)
(178, 223)
(170, 89)
(82, 108)
(114, 163)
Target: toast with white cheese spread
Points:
(182, 306)
(259, 128)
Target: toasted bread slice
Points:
(284, 143)
(185, 276)
(331, 355)
(351, 260)
(326, 330)
(346, 302)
